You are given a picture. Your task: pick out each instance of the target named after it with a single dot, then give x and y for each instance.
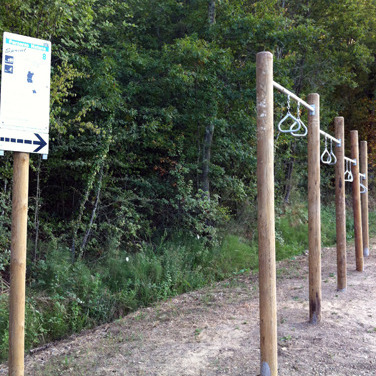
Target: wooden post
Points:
(266, 229)
(340, 205)
(356, 203)
(314, 216)
(18, 264)
(364, 197)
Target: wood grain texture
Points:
(266, 220)
(18, 264)
(314, 215)
(340, 205)
(364, 197)
(356, 203)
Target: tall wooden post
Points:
(364, 197)
(340, 205)
(314, 216)
(18, 264)
(356, 203)
(266, 221)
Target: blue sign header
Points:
(33, 46)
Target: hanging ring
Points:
(346, 170)
(295, 122)
(326, 156)
(288, 116)
(305, 130)
(332, 154)
(363, 188)
(348, 174)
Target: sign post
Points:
(18, 264)
(24, 128)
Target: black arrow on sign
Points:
(40, 142)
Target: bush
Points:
(4, 326)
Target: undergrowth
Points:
(63, 298)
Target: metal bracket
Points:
(314, 110)
(44, 156)
(1, 153)
(340, 143)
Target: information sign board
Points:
(25, 94)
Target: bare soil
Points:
(215, 331)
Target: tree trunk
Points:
(206, 155)
(289, 170)
(5, 192)
(211, 12)
(209, 129)
(88, 231)
(77, 224)
(37, 204)
(290, 163)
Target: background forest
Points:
(149, 189)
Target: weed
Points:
(208, 299)
(286, 338)
(140, 316)
(198, 332)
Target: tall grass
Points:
(292, 229)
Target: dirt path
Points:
(215, 331)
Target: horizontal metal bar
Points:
(329, 136)
(362, 175)
(353, 161)
(293, 96)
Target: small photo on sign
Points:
(9, 59)
(8, 69)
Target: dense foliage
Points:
(153, 137)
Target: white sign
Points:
(25, 94)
